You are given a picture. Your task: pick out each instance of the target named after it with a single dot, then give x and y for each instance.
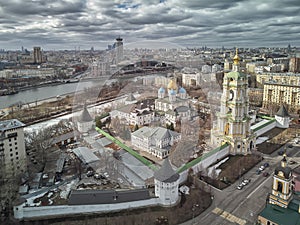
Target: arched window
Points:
(279, 187)
(268, 223)
(226, 129)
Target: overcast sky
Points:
(64, 24)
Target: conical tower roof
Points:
(130, 98)
(85, 115)
(282, 112)
(166, 173)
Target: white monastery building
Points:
(156, 141)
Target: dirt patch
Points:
(234, 168)
(277, 138)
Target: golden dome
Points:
(172, 85)
(236, 58)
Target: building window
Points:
(15, 138)
(11, 155)
(279, 187)
(268, 223)
(9, 140)
(17, 153)
(16, 143)
(16, 148)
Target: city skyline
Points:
(64, 24)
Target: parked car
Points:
(280, 152)
(266, 174)
(245, 182)
(90, 173)
(292, 162)
(266, 165)
(106, 174)
(97, 176)
(261, 168)
(240, 187)
(258, 172)
(290, 146)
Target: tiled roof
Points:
(166, 173)
(279, 215)
(85, 115)
(91, 197)
(282, 112)
(130, 98)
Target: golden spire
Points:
(284, 161)
(236, 58)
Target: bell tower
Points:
(282, 185)
(233, 124)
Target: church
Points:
(233, 121)
(283, 204)
(173, 104)
(172, 99)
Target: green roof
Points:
(236, 75)
(264, 125)
(126, 148)
(199, 159)
(280, 216)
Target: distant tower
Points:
(282, 118)
(282, 185)
(37, 55)
(161, 93)
(233, 120)
(289, 48)
(166, 184)
(119, 49)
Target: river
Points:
(36, 94)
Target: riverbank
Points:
(53, 107)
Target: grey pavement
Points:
(243, 205)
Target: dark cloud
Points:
(66, 23)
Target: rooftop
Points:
(279, 215)
(166, 173)
(85, 154)
(85, 116)
(282, 112)
(10, 124)
(91, 197)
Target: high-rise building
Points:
(279, 93)
(233, 125)
(12, 147)
(119, 49)
(37, 55)
(294, 65)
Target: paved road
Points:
(232, 206)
